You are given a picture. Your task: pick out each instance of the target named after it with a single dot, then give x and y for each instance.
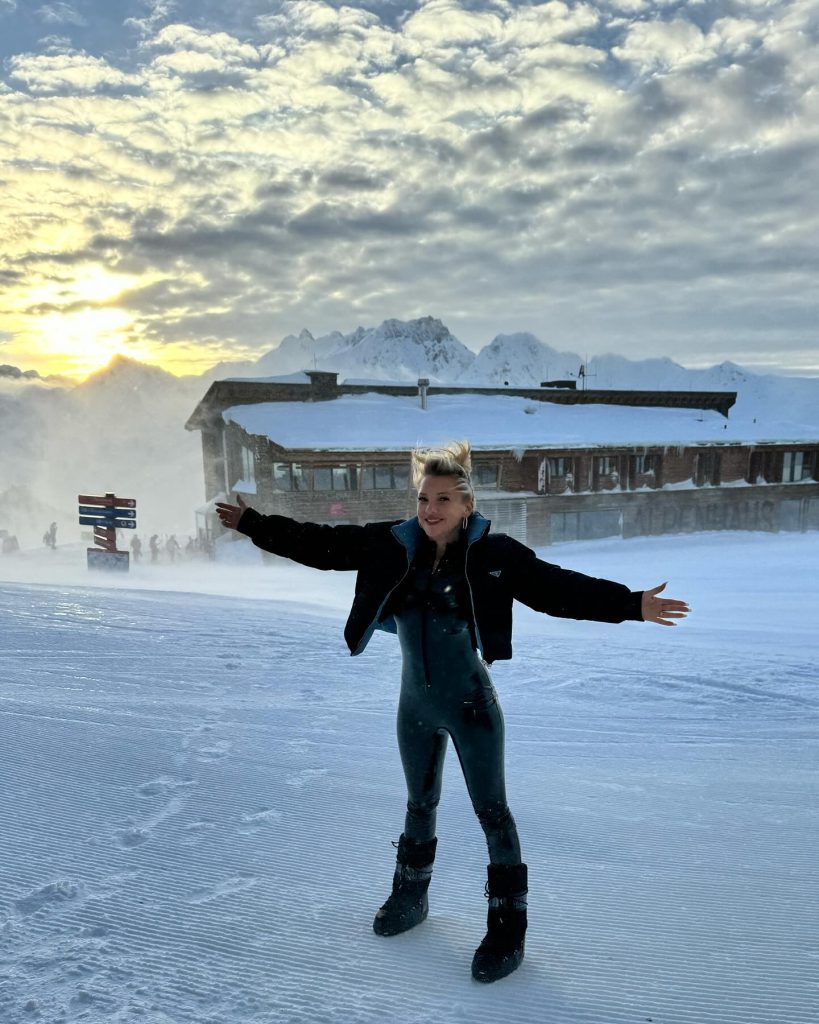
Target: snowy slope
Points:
(199, 793)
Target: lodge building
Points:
(549, 464)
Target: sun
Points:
(75, 326)
(84, 340)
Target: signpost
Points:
(107, 514)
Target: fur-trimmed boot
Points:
(407, 905)
(501, 950)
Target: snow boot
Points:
(407, 905)
(501, 950)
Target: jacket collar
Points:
(411, 534)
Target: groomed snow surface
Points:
(200, 787)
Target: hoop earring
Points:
(463, 524)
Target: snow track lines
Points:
(186, 844)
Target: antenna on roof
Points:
(584, 373)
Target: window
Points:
(645, 464)
(248, 464)
(555, 474)
(343, 478)
(485, 474)
(322, 478)
(401, 477)
(795, 467)
(289, 476)
(384, 477)
(707, 468)
(759, 468)
(334, 478)
(606, 465)
(590, 525)
(644, 470)
(282, 480)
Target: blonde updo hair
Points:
(451, 459)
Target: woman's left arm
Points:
(572, 595)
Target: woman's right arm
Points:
(317, 545)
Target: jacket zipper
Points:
(471, 600)
(424, 611)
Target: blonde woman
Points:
(445, 584)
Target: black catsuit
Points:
(446, 691)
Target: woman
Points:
(445, 585)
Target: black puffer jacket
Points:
(498, 568)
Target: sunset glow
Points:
(192, 184)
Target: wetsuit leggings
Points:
(447, 692)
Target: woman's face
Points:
(441, 508)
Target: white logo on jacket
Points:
(495, 572)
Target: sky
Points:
(186, 182)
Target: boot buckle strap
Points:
(405, 873)
(518, 902)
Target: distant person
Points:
(136, 548)
(153, 544)
(190, 548)
(452, 623)
(172, 547)
(50, 537)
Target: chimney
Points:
(323, 385)
(423, 384)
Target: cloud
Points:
(59, 13)
(609, 165)
(658, 44)
(158, 11)
(68, 72)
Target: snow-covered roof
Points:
(390, 423)
(300, 377)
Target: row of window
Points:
(294, 476)
(604, 465)
(795, 466)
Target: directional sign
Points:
(109, 500)
(120, 524)
(107, 513)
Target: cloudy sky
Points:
(190, 180)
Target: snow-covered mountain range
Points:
(122, 429)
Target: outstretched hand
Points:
(662, 609)
(229, 515)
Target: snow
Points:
(245, 486)
(122, 430)
(201, 786)
(390, 423)
(285, 378)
